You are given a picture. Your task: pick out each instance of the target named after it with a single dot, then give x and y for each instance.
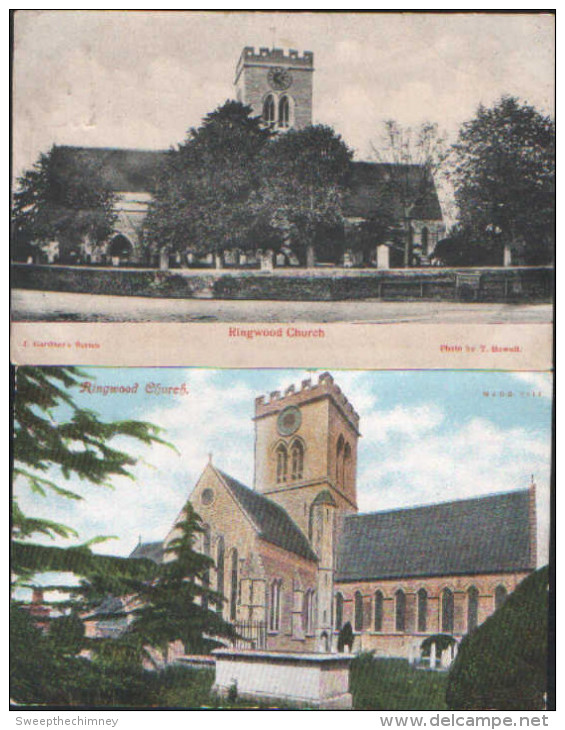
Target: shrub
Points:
(502, 665)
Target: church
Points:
(278, 86)
(296, 560)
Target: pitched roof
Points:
(274, 524)
(481, 535)
(150, 550)
(369, 183)
(372, 186)
(122, 170)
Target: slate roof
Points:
(372, 185)
(481, 535)
(150, 550)
(122, 170)
(274, 524)
(136, 171)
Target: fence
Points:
(251, 635)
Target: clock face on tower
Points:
(289, 421)
(279, 78)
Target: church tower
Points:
(306, 444)
(277, 86)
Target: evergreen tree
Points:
(201, 198)
(62, 198)
(504, 177)
(176, 604)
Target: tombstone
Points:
(293, 260)
(209, 258)
(229, 258)
(445, 658)
(163, 259)
(218, 261)
(281, 258)
(310, 256)
(348, 259)
(432, 656)
(267, 261)
(189, 257)
(383, 256)
(115, 260)
(507, 255)
(242, 258)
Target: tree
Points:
(175, 605)
(504, 177)
(302, 177)
(502, 665)
(202, 195)
(416, 156)
(62, 198)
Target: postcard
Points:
(353, 539)
(283, 167)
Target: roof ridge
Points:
(464, 500)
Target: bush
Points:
(345, 637)
(502, 665)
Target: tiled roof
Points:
(274, 524)
(374, 186)
(150, 550)
(122, 170)
(481, 535)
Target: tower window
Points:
(282, 463)
(284, 112)
(425, 237)
(338, 460)
(297, 459)
(269, 111)
(346, 464)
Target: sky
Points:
(427, 437)
(141, 79)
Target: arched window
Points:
(220, 572)
(425, 237)
(206, 576)
(447, 607)
(346, 464)
(297, 459)
(308, 612)
(422, 609)
(472, 608)
(400, 610)
(339, 460)
(269, 111)
(275, 606)
(282, 462)
(358, 621)
(234, 585)
(338, 611)
(500, 595)
(284, 112)
(379, 598)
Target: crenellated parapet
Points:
(306, 392)
(274, 57)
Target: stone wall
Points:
(515, 284)
(389, 641)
